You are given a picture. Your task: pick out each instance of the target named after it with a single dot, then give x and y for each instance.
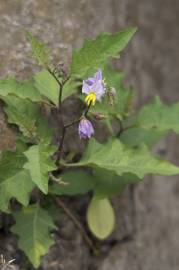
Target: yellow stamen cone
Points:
(91, 98)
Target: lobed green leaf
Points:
(95, 53)
(39, 50)
(27, 115)
(21, 89)
(115, 156)
(32, 226)
(136, 135)
(159, 116)
(15, 182)
(39, 164)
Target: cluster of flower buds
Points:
(94, 88)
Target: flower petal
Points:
(99, 89)
(86, 88)
(98, 75)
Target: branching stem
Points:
(61, 84)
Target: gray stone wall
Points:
(147, 234)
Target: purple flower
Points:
(85, 129)
(94, 87)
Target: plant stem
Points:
(64, 127)
(87, 110)
(121, 128)
(55, 77)
(77, 224)
(59, 151)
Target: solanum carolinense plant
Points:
(39, 173)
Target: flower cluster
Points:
(94, 88)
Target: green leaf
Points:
(48, 86)
(21, 89)
(15, 182)
(51, 207)
(39, 164)
(39, 50)
(159, 116)
(28, 117)
(22, 113)
(135, 136)
(78, 182)
(103, 183)
(95, 53)
(109, 184)
(116, 157)
(123, 99)
(70, 88)
(32, 226)
(100, 217)
(44, 132)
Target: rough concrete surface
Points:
(147, 234)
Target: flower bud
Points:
(85, 129)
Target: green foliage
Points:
(116, 157)
(21, 89)
(48, 86)
(44, 133)
(27, 115)
(39, 164)
(22, 113)
(39, 51)
(15, 181)
(109, 184)
(103, 183)
(95, 53)
(153, 122)
(135, 135)
(159, 116)
(100, 217)
(32, 226)
(102, 170)
(77, 182)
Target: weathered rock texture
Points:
(147, 234)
